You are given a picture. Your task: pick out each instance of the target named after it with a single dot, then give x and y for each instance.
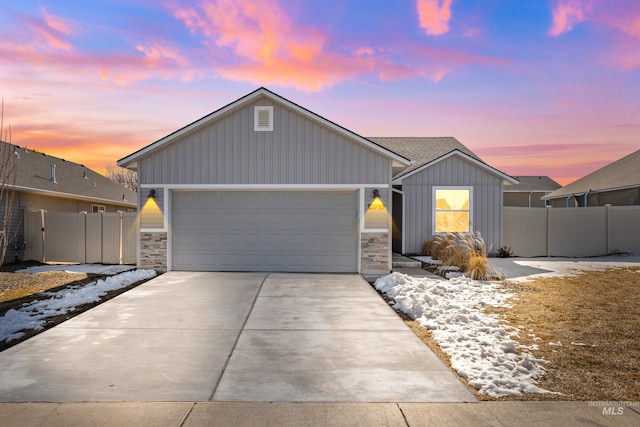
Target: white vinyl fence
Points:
(106, 238)
(572, 232)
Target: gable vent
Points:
(263, 119)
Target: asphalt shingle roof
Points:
(535, 183)
(622, 173)
(34, 174)
(422, 150)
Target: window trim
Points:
(433, 206)
(100, 208)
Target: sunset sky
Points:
(533, 87)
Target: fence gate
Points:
(103, 237)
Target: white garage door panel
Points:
(264, 231)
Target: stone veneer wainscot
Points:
(153, 250)
(374, 253)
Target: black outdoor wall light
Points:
(152, 194)
(376, 193)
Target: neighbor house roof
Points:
(72, 180)
(619, 175)
(529, 184)
(426, 151)
(131, 160)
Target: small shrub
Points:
(466, 251)
(505, 252)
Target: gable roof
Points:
(621, 174)
(427, 151)
(130, 161)
(73, 181)
(529, 184)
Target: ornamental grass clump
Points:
(467, 251)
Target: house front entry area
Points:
(288, 231)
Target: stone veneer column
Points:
(153, 250)
(374, 253)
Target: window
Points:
(98, 208)
(452, 209)
(263, 119)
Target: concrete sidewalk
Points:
(240, 414)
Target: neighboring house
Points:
(264, 184)
(529, 191)
(617, 184)
(44, 182)
(446, 188)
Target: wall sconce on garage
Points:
(376, 203)
(152, 194)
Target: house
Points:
(264, 184)
(529, 191)
(44, 182)
(617, 184)
(446, 188)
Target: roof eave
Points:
(73, 196)
(130, 161)
(507, 180)
(582, 192)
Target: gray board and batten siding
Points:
(297, 151)
(452, 171)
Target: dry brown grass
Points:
(598, 310)
(595, 317)
(19, 285)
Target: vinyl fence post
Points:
(44, 240)
(121, 215)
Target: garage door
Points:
(264, 231)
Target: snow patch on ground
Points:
(524, 269)
(482, 350)
(32, 316)
(79, 268)
(428, 259)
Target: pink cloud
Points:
(567, 14)
(269, 48)
(438, 63)
(434, 16)
(50, 31)
(45, 51)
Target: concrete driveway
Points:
(247, 337)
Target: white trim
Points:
(262, 187)
(169, 195)
(456, 152)
(375, 230)
(433, 205)
(131, 159)
(256, 118)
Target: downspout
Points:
(568, 198)
(586, 200)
